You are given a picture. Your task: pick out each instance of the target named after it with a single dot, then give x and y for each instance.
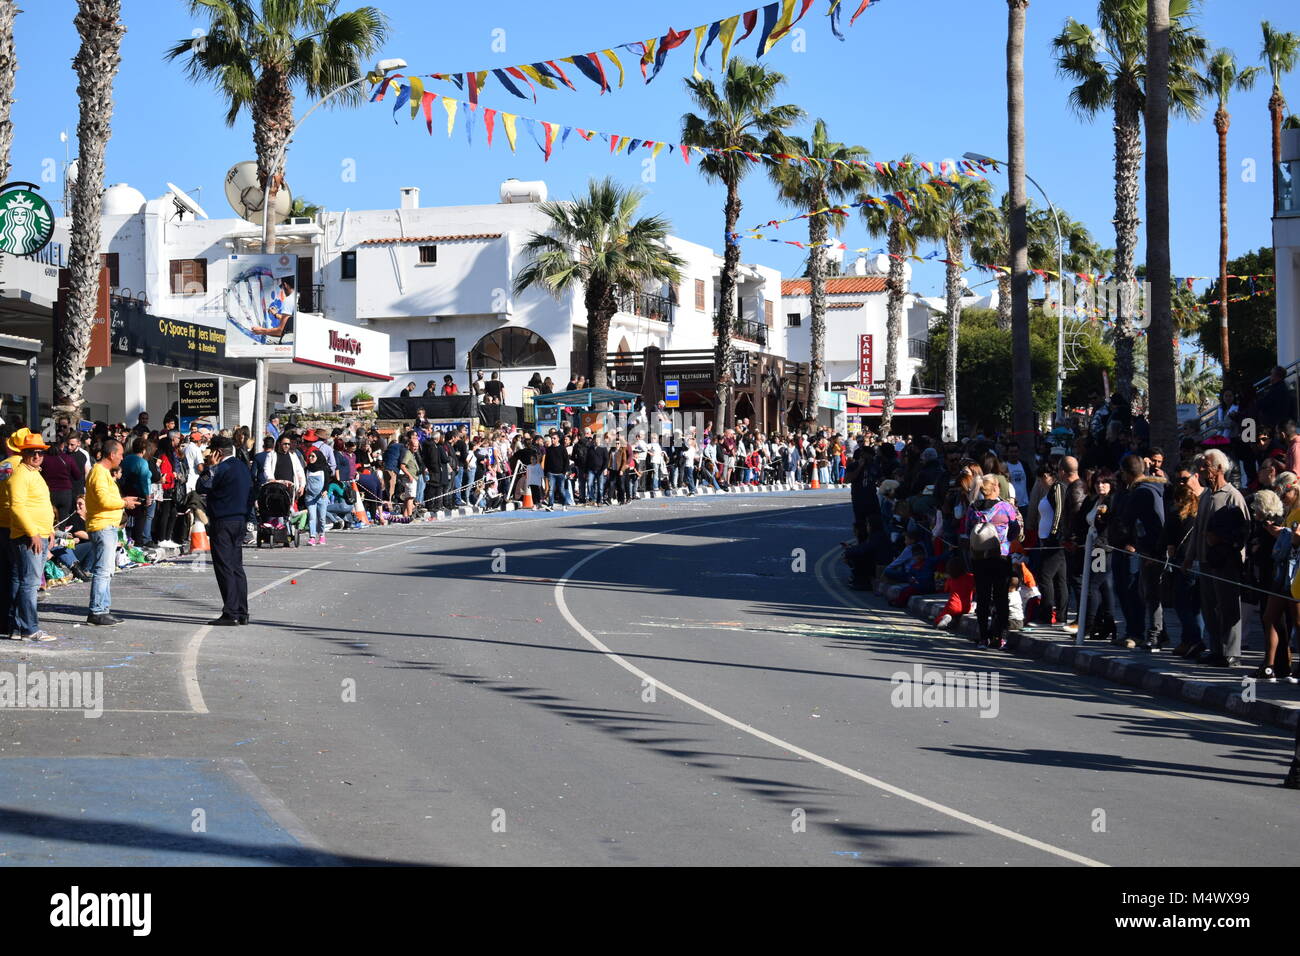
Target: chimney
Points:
(410, 197)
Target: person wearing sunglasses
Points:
(31, 531)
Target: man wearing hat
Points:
(228, 486)
(31, 527)
(8, 580)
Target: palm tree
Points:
(598, 241)
(254, 59)
(99, 24)
(1024, 423)
(1109, 65)
(992, 247)
(1221, 77)
(900, 226)
(1280, 52)
(1199, 387)
(302, 208)
(740, 116)
(1162, 395)
(8, 67)
(809, 187)
(960, 214)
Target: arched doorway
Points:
(623, 347)
(745, 409)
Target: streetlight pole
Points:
(377, 75)
(1060, 274)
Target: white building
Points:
(1286, 249)
(856, 305)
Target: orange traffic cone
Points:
(199, 537)
(528, 497)
(358, 509)
(815, 484)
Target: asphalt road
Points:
(674, 682)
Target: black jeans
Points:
(227, 540)
(992, 576)
(1051, 581)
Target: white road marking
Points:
(190, 665)
(423, 537)
(777, 741)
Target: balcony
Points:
(657, 308)
(918, 349)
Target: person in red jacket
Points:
(960, 588)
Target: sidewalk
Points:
(1159, 673)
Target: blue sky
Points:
(925, 78)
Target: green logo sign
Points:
(26, 220)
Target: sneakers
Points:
(1267, 674)
(321, 539)
(103, 620)
(311, 542)
(944, 622)
(35, 636)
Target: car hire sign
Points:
(864, 360)
(338, 347)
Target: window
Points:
(109, 261)
(699, 295)
(793, 320)
(512, 348)
(428, 255)
(348, 265)
(767, 312)
(189, 276)
(424, 355)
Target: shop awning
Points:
(583, 398)
(903, 405)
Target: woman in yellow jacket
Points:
(8, 572)
(31, 528)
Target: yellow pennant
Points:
(417, 94)
(727, 34)
(450, 106)
(782, 25)
(533, 72)
(699, 35)
(508, 122)
(658, 147)
(618, 63)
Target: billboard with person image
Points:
(261, 306)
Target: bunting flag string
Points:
(410, 90)
(778, 21)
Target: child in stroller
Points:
(277, 522)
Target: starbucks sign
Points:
(26, 219)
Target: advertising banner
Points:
(339, 347)
(261, 306)
(199, 404)
(864, 360)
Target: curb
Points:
(1148, 673)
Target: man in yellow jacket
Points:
(104, 504)
(31, 529)
(8, 575)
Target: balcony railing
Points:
(918, 349)
(748, 330)
(313, 299)
(658, 308)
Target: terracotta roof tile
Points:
(405, 239)
(836, 285)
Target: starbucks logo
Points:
(26, 220)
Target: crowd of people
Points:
(1194, 544)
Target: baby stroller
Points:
(277, 523)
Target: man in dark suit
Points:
(227, 484)
(431, 459)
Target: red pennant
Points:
(489, 118)
(751, 20)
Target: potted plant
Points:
(363, 401)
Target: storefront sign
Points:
(199, 404)
(261, 306)
(171, 342)
(672, 393)
(26, 219)
(341, 348)
(864, 360)
(857, 396)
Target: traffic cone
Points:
(815, 484)
(358, 509)
(199, 537)
(528, 497)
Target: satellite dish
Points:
(70, 173)
(245, 193)
(184, 203)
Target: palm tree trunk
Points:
(817, 232)
(1128, 162)
(1024, 419)
(722, 353)
(601, 306)
(894, 328)
(1276, 106)
(1004, 299)
(272, 122)
(1162, 399)
(1221, 122)
(953, 289)
(99, 24)
(8, 67)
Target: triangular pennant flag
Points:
(728, 33)
(538, 75)
(686, 154)
(835, 20)
(450, 106)
(751, 21)
(770, 14)
(489, 120)
(613, 142)
(417, 94)
(550, 139)
(403, 94)
(560, 73)
(613, 58)
(509, 84)
(670, 41)
(714, 30)
(699, 38)
(588, 64)
(508, 122)
(865, 4)
(426, 101)
(783, 24)
(658, 148)
(519, 74)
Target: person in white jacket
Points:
(283, 466)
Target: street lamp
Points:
(1060, 274)
(378, 74)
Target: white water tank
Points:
(878, 265)
(515, 191)
(122, 200)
